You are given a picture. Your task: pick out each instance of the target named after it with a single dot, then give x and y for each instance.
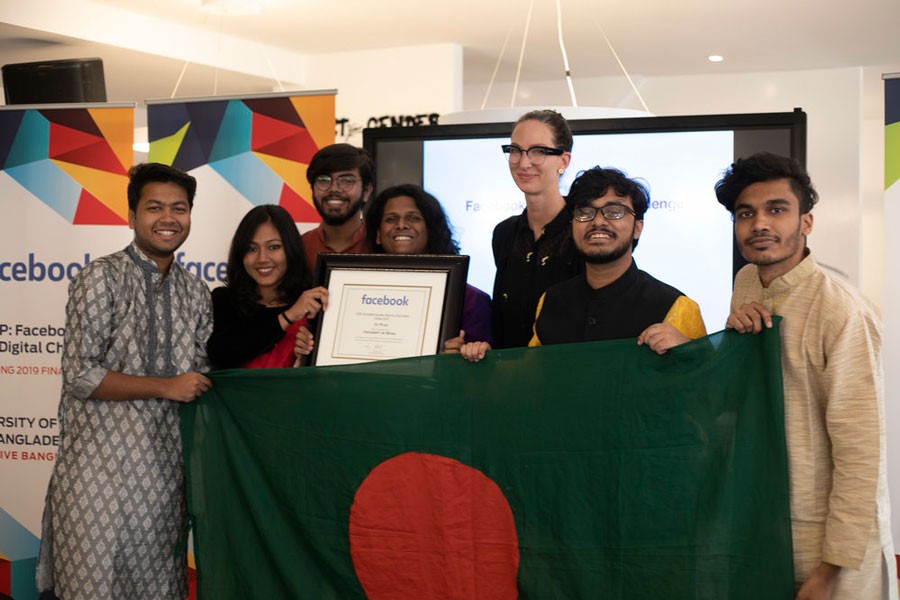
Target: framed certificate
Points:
(383, 306)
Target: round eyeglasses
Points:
(536, 154)
(344, 182)
(612, 212)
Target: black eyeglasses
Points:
(612, 211)
(344, 182)
(536, 154)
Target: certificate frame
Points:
(361, 323)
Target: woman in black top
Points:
(263, 305)
(533, 250)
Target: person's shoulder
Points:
(189, 279)
(106, 261)
(507, 226)
(649, 287)
(311, 234)
(503, 236)
(846, 312)
(567, 287)
(840, 296)
(657, 285)
(101, 266)
(475, 292)
(222, 294)
(747, 273)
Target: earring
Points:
(560, 171)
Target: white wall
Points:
(397, 81)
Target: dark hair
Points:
(440, 237)
(239, 281)
(562, 136)
(765, 166)
(342, 157)
(594, 183)
(141, 174)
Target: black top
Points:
(573, 311)
(239, 336)
(525, 269)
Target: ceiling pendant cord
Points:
(274, 72)
(512, 101)
(562, 48)
(490, 86)
(621, 66)
(180, 77)
(218, 56)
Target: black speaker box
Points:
(53, 81)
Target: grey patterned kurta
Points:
(114, 523)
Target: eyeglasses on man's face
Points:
(536, 154)
(612, 212)
(344, 182)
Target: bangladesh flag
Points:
(594, 471)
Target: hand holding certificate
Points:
(388, 306)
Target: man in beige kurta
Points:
(833, 385)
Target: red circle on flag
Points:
(427, 527)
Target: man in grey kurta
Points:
(833, 386)
(137, 323)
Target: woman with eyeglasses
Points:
(533, 250)
(259, 316)
(405, 219)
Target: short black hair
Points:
(295, 280)
(141, 174)
(594, 183)
(765, 166)
(440, 234)
(342, 157)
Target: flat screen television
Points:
(687, 240)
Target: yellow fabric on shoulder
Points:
(535, 340)
(685, 316)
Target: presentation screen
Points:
(687, 240)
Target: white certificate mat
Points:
(378, 315)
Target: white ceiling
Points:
(651, 37)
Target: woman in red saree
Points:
(265, 300)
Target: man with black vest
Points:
(613, 299)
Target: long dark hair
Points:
(440, 236)
(295, 278)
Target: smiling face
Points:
(605, 241)
(161, 221)
(535, 179)
(403, 229)
(338, 204)
(769, 228)
(266, 261)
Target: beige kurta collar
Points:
(773, 295)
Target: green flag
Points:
(597, 470)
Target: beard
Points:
(601, 256)
(785, 249)
(338, 219)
